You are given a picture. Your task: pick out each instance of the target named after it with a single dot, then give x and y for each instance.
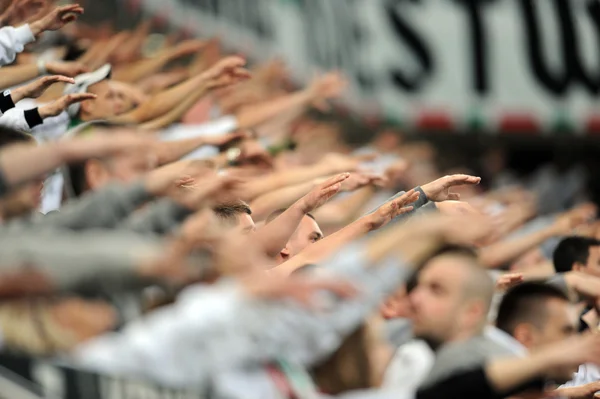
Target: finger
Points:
(453, 196)
(464, 179)
(59, 78)
(408, 198)
(404, 210)
(231, 62)
(68, 18)
(69, 8)
(74, 98)
(331, 191)
(241, 71)
(335, 179)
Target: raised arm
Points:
(23, 162)
(329, 165)
(499, 253)
(328, 86)
(264, 205)
(228, 71)
(138, 70)
(359, 228)
(276, 234)
(171, 151)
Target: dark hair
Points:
(229, 211)
(9, 136)
(572, 250)
(526, 303)
(278, 212)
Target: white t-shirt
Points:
(409, 366)
(217, 127)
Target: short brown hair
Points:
(228, 212)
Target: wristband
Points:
(33, 118)
(42, 70)
(6, 101)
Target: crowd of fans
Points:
(173, 215)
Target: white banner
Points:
(505, 64)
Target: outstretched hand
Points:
(439, 190)
(21, 10)
(36, 88)
(322, 193)
(226, 72)
(359, 180)
(392, 209)
(508, 280)
(328, 86)
(64, 102)
(573, 219)
(56, 19)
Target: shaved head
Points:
(477, 283)
(451, 299)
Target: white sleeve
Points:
(217, 127)
(15, 119)
(586, 374)
(409, 366)
(169, 345)
(13, 41)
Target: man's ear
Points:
(389, 308)
(96, 174)
(578, 267)
(524, 334)
(285, 253)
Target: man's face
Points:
(106, 105)
(593, 263)
(308, 232)
(561, 323)
(437, 301)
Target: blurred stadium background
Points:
(514, 79)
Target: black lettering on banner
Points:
(479, 44)
(593, 9)
(417, 46)
(558, 83)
